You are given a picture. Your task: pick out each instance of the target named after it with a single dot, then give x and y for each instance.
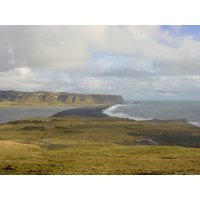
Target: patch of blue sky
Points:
(173, 29)
(174, 33)
(98, 55)
(190, 30)
(49, 73)
(165, 42)
(152, 70)
(108, 61)
(183, 30)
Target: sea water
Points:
(148, 110)
(8, 114)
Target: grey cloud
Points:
(61, 58)
(123, 72)
(68, 48)
(58, 48)
(177, 68)
(26, 80)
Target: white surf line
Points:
(109, 111)
(195, 123)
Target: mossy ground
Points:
(80, 145)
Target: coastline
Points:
(97, 111)
(86, 111)
(124, 115)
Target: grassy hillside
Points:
(80, 145)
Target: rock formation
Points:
(58, 98)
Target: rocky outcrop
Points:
(57, 98)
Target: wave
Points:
(195, 123)
(119, 111)
(111, 111)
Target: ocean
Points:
(8, 114)
(148, 110)
(145, 110)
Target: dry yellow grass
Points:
(15, 150)
(80, 145)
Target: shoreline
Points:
(97, 111)
(86, 111)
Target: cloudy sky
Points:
(137, 62)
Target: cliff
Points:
(58, 98)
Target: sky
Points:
(139, 62)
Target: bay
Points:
(14, 113)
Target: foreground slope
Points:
(81, 145)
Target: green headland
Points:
(98, 145)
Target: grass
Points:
(80, 145)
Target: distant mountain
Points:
(60, 97)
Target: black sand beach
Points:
(87, 111)
(96, 111)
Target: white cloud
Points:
(68, 48)
(96, 85)
(129, 60)
(27, 80)
(23, 70)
